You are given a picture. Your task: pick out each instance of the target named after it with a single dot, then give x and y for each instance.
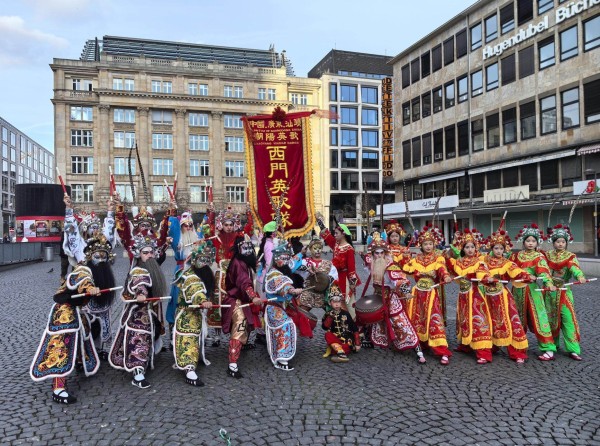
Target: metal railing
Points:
(11, 253)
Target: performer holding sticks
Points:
(341, 333)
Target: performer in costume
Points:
(343, 260)
(473, 320)
(564, 267)
(429, 270)
(341, 333)
(239, 284)
(395, 234)
(138, 336)
(530, 303)
(265, 250)
(67, 339)
(194, 284)
(507, 330)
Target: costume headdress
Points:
(469, 236)
(396, 227)
(378, 244)
(186, 218)
(500, 237)
(142, 241)
(245, 242)
(88, 222)
(203, 255)
(344, 228)
(335, 294)
(98, 243)
(270, 227)
(531, 231)
(560, 231)
(315, 241)
(228, 215)
(431, 234)
(143, 215)
(282, 248)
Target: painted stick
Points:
(175, 185)
(455, 223)
(111, 181)
(564, 287)
(106, 290)
(268, 300)
(154, 299)
(214, 306)
(62, 183)
(169, 189)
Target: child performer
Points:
(341, 333)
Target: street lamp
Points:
(593, 172)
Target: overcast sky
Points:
(33, 32)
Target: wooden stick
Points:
(154, 299)
(175, 185)
(106, 290)
(62, 183)
(214, 306)
(268, 300)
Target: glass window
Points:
(124, 115)
(370, 160)
(438, 101)
(570, 170)
(591, 102)
(82, 164)
(335, 181)
(348, 93)
(162, 141)
(425, 64)
(477, 135)
(449, 51)
(262, 93)
(349, 115)
(478, 185)
(549, 174)
(426, 104)
(475, 37)
(161, 166)
(416, 109)
(476, 83)
(234, 169)
(124, 140)
(233, 144)
(492, 124)
(548, 114)
(461, 43)
(235, 194)
(271, 94)
(199, 142)
(117, 83)
(526, 62)
(406, 113)
(507, 18)
(491, 28)
(438, 145)
(369, 95)
(426, 143)
(369, 116)
(450, 137)
(333, 137)
(463, 138)
(406, 155)
(129, 85)
(203, 89)
(333, 92)
(524, 11)
(545, 5)
(591, 33)
(198, 194)
(508, 69)
(122, 166)
(405, 76)
(463, 88)
(570, 108)
(162, 117)
(509, 125)
(80, 114)
(82, 138)
(449, 94)
(568, 43)
(491, 76)
(334, 158)
(416, 152)
(192, 89)
(370, 138)
(198, 119)
(81, 193)
(510, 177)
(529, 176)
(232, 121)
(350, 181)
(238, 92)
(349, 137)
(415, 70)
(546, 53)
(349, 159)
(527, 112)
(228, 91)
(436, 58)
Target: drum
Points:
(320, 282)
(369, 310)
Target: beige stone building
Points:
(498, 109)
(181, 104)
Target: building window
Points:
(591, 33)
(450, 136)
(192, 89)
(82, 138)
(203, 89)
(527, 112)
(416, 109)
(81, 113)
(426, 105)
(164, 117)
(234, 169)
(233, 121)
(162, 87)
(546, 53)
(369, 95)
(524, 11)
(449, 94)
(82, 84)
(477, 135)
(348, 93)
(333, 137)
(349, 159)
(591, 102)
(549, 174)
(159, 193)
(463, 138)
(425, 64)
(349, 115)
(507, 18)
(461, 43)
(123, 140)
(234, 144)
(162, 141)
(124, 191)
(476, 83)
(405, 76)
(271, 94)
(238, 92)
(82, 193)
(406, 113)
(334, 181)
(117, 83)
(436, 58)
(198, 119)
(426, 143)
(199, 168)
(370, 138)
(369, 116)
(349, 181)
(299, 98)
(415, 70)
(199, 142)
(406, 155)
(349, 137)
(228, 91)
(370, 160)
(568, 43)
(491, 28)
(334, 112)
(438, 145)
(371, 181)
(508, 69)
(475, 37)
(333, 92)
(82, 164)
(510, 177)
(124, 115)
(570, 171)
(416, 152)
(526, 62)
(262, 94)
(449, 51)
(492, 124)
(509, 125)
(437, 100)
(478, 185)
(570, 108)
(463, 88)
(491, 77)
(545, 5)
(548, 114)
(161, 166)
(529, 176)
(122, 166)
(199, 194)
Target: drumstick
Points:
(251, 303)
(214, 306)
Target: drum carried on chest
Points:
(369, 309)
(319, 281)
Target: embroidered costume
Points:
(341, 333)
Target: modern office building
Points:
(23, 161)
(499, 109)
(352, 88)
(181, 104)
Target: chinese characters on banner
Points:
(280, 165)
(387, 142)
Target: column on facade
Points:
(102, 158)
(62, 146)
(144, 143)
(217, 161)
(180, 158)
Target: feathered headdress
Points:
(469, 236)
(143, 215)
(531, 231)
(430, 233)
(560, 231)
(228, 215)
(396, 227)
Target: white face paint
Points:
(246, 249)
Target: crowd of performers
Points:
(222, 286)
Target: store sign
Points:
(420, 206)
(586, 187)
(506, 194)
(387, 140)
(561, 14)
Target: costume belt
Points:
(464, 285)
(558, 281)
(493, 289)
(425, 283)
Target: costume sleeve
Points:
(123, 227)
(164, 230)
(108, 228)
(268, 253)
(174, 232)
(543, 271)
(442, 272)
(574, 268)
(328, 238)
(350, 261)
(409, 266)
(193, 290)
(483, 274)
(514, 272)
(249, 226)
(327, 322)
(73, 244)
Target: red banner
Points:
(280, 170)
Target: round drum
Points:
(369, 310)
(320, 281)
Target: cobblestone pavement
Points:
(378, 398)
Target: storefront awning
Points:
(447, 176)
(520, 162)
(589, 149)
